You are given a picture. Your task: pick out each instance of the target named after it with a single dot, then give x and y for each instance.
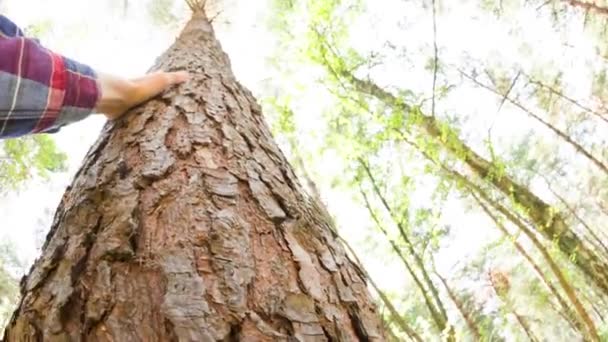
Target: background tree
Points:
(9, 289)
(428, 96)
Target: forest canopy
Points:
(460, 147)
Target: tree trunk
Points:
(438, 319)
(578, 322)
(469, 319)
(547, 221)
(186, 223)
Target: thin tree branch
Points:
(460, 306)
(436, 56)
(502, 102)
(407, 240)
(543, 5)
(588, 6)
(558, 132)
(196, 6)
(569, 314)
(572, 211)
(567, 98)
(437, 318)
(524, 324)
(506, 95)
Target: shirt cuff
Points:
(82, 92)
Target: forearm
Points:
(41, 91)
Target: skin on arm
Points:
(46, 104)
(118, 95)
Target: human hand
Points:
(119, 95)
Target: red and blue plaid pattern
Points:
(40, 91)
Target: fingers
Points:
(174, 77)
(151, 85)
(118, 95)
(178, 77)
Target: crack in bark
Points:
(358, 326)
(170, 330)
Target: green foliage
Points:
(160, 11)
(9, 289)
(422, 167)
(39, 29)
(20, 160)
(24, 158)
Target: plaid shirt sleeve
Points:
(40, 91)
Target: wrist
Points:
(116, 95)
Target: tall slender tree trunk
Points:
(476, 191)
(408, 243)
(187, 223)
(468, 317)
(439, 320)
(576, 321)
(547, 221)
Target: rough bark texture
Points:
(186, 223)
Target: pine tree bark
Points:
(186, 223)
